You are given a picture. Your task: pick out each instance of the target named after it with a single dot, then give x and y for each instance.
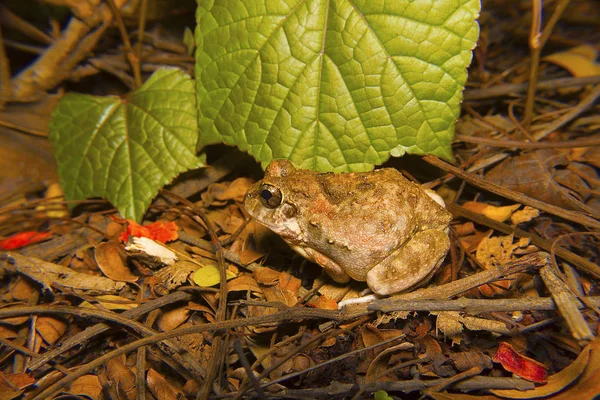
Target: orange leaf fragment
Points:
(520, 365)
(23, 239)
(160, 231)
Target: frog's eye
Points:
(270, 195)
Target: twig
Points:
(536, 43)
(451, 289)
(143, 11)
(573, 216)
(131, 56)
(507, 89)
(583, 105)
(567, 303)
(473, 306)
(287, 315)
(237, 345)
(217, 346)
(5, 88)
(12, 20)
(101, 327)
(587, 142)
(336, 389)
(367, 385)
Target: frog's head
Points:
(269, 201)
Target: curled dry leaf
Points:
(123, 378)
(518, 364)
(112, 262)
(243, 283)
(224, 191)
(171, 319)
(111, 302)
(524, 215)
(50, 329)
(466, 360)
(381, 362)
(11, 386)
(87, 385)
(160, 387)
(323, 302)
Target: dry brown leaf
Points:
(111, 302)
(50, 329)
(466, 360)
(7, 333)
(87, 385)
(110, 258)
(171, 319)
(24, 290)
(381, 362)
(20, 381)
(496, 250)
(533, 174)
(324, 302)
(266, 276)
(372, 335)
(580, 61)
(122, 377)
(243, 283)
(468, 228)
(524, 215)
(160, 386)
(175, 275)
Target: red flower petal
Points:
(22, 239)
(159, 231)
(519, 365)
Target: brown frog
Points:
(374, 226)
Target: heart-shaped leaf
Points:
(333, 85)
(126, 149)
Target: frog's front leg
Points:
(412, 264)
(335, 271)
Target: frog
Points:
(376, 227)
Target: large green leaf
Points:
(333, 85)
(125, 150)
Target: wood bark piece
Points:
(567, 304)
(53, 276)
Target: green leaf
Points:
(334, 85)
(125, 150)
(381, 395)
(209, 275)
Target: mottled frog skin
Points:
(374, 226)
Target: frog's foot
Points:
(414, 263)
(332, 268)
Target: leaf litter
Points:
(73, 293)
